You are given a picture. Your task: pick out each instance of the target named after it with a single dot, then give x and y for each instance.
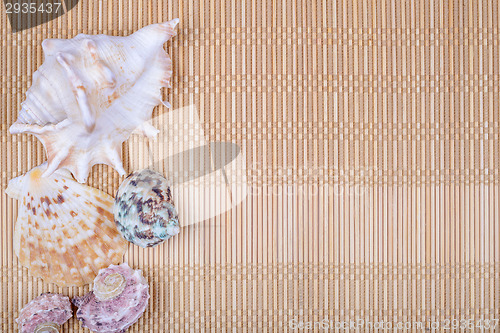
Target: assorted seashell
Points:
(86, 99)
(65, 231)
(144, 210)
(92, 92)
(119, 298)
(45, 314)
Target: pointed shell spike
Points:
(144, 209)
(55, 161)
(173, 230)
(147, 130)
(107, 76)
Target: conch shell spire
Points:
(92, 92)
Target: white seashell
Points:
(119, 298)
(91, 92)
(45, 314)
(65, 231)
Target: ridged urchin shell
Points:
(64, 231)
(46, 313)
(144, 209)
(124, 295)
(92, 92)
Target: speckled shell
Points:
(65, 231)
(92, 92)
(46, 308)
(144, 209)
(119, 313)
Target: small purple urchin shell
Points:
(125, 295)
(51, 310)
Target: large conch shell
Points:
(118, 299)
(65, 232)
(91, 92)
(45, 314)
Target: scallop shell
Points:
(45, 314)
(91, 92)
(119, 298)
(144, 209)
(64, 231)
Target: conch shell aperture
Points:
(65, 232)
(92, 92)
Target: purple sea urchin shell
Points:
(47, 310)
(118, 306)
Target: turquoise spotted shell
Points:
(144, 209)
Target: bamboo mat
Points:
(371, 139)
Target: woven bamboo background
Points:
(371, 133)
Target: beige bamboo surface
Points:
(371, 133)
